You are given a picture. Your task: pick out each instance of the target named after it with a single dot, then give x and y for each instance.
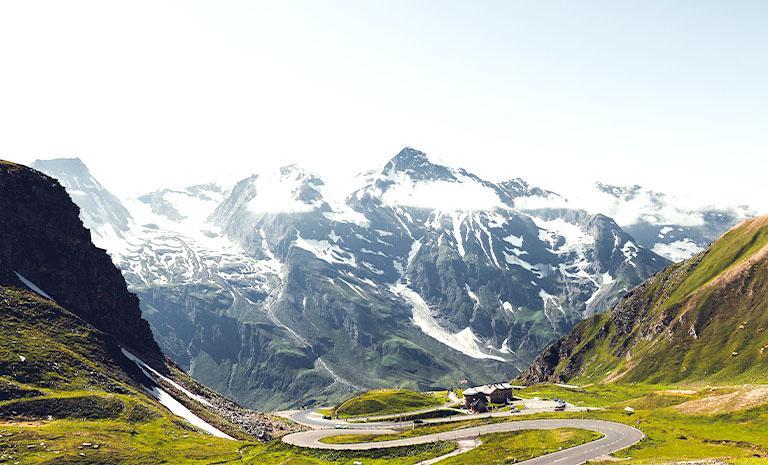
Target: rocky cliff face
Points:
(43, 241)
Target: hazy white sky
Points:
(671, 94)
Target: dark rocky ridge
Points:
(43, 239)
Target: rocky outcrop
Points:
(42, 239)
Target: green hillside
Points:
(65, 398)
(386, 402)
(705, 319)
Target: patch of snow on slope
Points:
(344, 214)
(351, 286)
(550, 301)
(415, 247)
(33, 287)
(372, 268)
(678, 251)
(575, 237)
(516, 241)
(505, 347)
(457, 220)
(173, 383)
(515, 260)
(471, 294)
(496, 220)
(398, 267)
(326, 251)
(606, 283)
(492, 255)
(336, 378)
(630, 253)
(174, 405)
(464, 341)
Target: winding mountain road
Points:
(616, 436)
(313, 419)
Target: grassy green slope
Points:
(387, 401)
(65, 398)
(704, 319)
(61, 388)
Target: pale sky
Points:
(669, 94)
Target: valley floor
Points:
(680, 424)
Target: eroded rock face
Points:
(43, 239)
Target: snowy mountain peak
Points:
(408, 158)
(417, 166)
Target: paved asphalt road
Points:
(616, 437)
(314, 420)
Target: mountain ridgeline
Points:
(705, 319)
(280, 290)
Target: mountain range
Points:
(278, 290)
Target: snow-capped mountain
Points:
(656, 220)
(276, 290)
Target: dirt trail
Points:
(744, 398)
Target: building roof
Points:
(488, 389)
